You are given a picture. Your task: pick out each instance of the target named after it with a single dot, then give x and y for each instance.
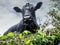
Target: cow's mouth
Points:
(27, 19)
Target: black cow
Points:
(29, 19)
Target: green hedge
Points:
(27, 38)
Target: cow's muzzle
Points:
(27, 18)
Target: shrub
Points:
(27, 38)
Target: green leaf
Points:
(21, 35)
(40, 32)
(53, 37)
(28, 41)
(9, 44)
(11, 40)
(27, 32)
(44, 39)
(58, 34)
(10, 34)
(31, 43)
(44, 34)
(3, 37)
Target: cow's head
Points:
(28, 11)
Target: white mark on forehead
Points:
(27, 12)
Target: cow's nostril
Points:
(30, 19)
(24, 20)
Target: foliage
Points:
(27, 38)
(54, 13)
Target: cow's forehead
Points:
(27, 6)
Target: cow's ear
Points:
(39, 4)
(17, 9)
